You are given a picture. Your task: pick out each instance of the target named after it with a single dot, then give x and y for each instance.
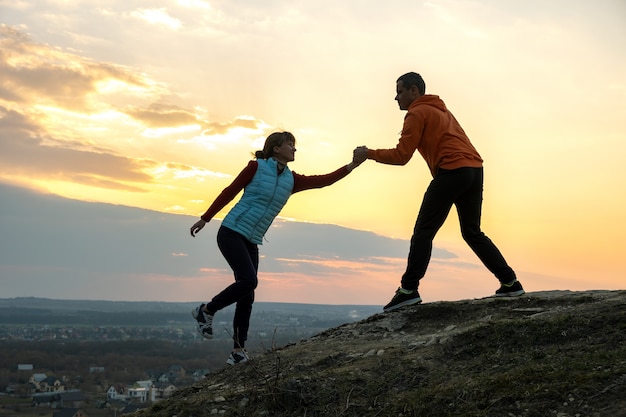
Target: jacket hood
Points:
(430, 100)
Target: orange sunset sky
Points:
(158, 105)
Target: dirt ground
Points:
(555, 353)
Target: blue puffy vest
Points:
(263, 198)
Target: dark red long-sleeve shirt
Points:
(300, 183)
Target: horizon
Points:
(193, 302)
(542, 292)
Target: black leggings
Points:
(243, 258)
(462, 187)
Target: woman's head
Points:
(273, 141)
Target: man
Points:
(457, 171)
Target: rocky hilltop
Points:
(556, 353)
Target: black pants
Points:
(462, 187)
(243, 258)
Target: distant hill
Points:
(44, 311)
(556, 353)
(105, 306)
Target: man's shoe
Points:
(237, 357)
(204, 321)
(512, 289)
(403, 298)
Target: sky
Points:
(159, 105)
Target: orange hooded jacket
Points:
(430, 128)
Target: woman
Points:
(267, 183)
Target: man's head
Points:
(409, 87)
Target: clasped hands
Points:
(359, 154)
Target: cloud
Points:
(26, 151)
(41, 74)
(163, 115)
(195, 4)
(68, 118)
(157, 17)
(354, 245)
(239, 122)
(134, 249)
(160, 115)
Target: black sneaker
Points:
(512, 289)
(237, 357)
(204, 321)
(402, 299)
